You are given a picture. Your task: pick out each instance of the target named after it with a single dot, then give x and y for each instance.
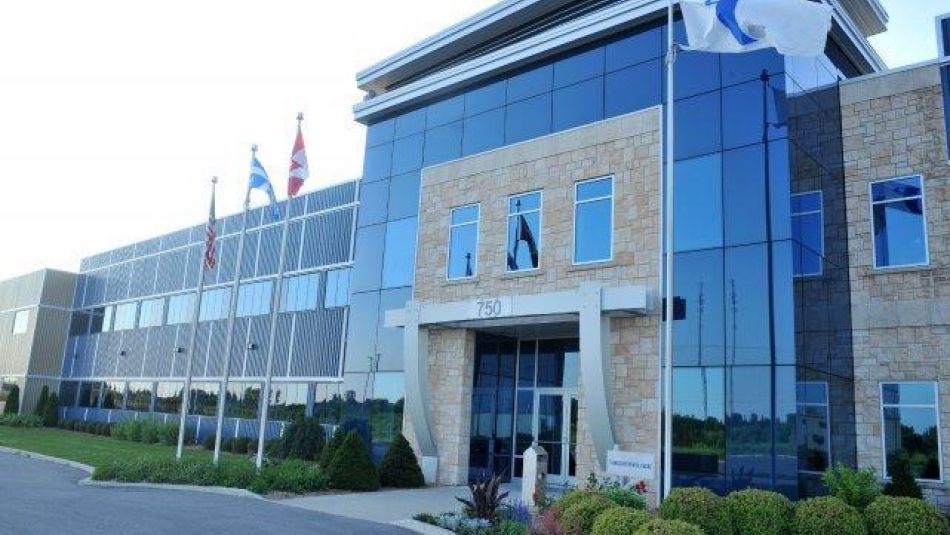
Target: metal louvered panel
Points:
(193, 266)
(143, 276)
(201, 348)
(214, 366)
(257, 359)
(249, 257)
(327, 239)
(175, 239)
(227, 256)
(118, 286)
(317, 342)
(331, 197)
(123, 254)
(160, 351)
(282, 348)
(133, 342)
(95, 287)
(179, 360)
(106, 349)
(148, 247)
(80, 290)
(292, 255)
(170, 268)
(239, 347)
(268, 251)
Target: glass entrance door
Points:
(555, 429)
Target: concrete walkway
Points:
(385, 506)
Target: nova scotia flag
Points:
(793, 27)
(259, 180)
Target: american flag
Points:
(211, 255)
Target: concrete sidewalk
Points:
(385, 506)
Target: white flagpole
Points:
(186, 392)
(272, 341)
(232, 314)
(669, 304)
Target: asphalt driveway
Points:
(39, 498)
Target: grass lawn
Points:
(95, 450)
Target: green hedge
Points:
(330, 449)
(150, 432)
(760, 512)
(285, 476)
(668, 527)
(12, 405)
(579, 517)
(700, 507)
(889, 515)
(821, 516)
(17, 420)
(619, 521)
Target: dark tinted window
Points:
(484, 132)
(485, 98)
(635, 49)
(407, 154)
(698, 126)
(579, 67)
(530, 83)
(698, 197)
(524, 231)
(744, 192)
(528, 119)
(579, 104)
(443, 143)
(377, 162)
(463, 242)
(404, 195)
(633, 88)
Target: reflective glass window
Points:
(747, 305)
(410, 123)
(400, 252)
(152, 312)
(528, 119)
(633, 88)
(125, 316)
(443, 143)
(814, 427)
(524, 231)
(593, 220)
(21, 321)
(288, 401)
(446, 111)
(743, 184)
(579, 104)
(140, 396)
(300, 293)
(485, 98)
(636, 49)
(407, 154)
(463, 242)
(113, 395)
(79, 323)
(180, 308)
(368, 259)
(204, 399)
(386, 402)
(89, 394)
(214, 304)
(374, 198)
(699, 338)
(699, 426)
(578, 67)
(742, 106)
(738, 68)
(912, 428)
(483, 132)
(381, 132)
(698, 126)
(338, 289)
(377, 162)
(108, 316)
(899, 224)
(698, 198)
(696, 73)
(168, 397)
(808, 233)
(404, 195)
(530, 83)
(749, 434)
(243, 400)
(68, 390)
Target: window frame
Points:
(821, 216)
(613, 215)
(936, 409)
(448, 249)
(923, 207)
(15, 326)
(538, 238)
(827, 405)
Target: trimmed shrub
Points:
(352, 468)
(40, 408)
(329, 451)
(579, 517)
(303, 439)
(625, 497)
(902, 481)
(821, 516)
(575, 496)
(619, 521)
(20, 420)
(13, 401)
(700, 507)
(239, 445)
(274, 448)
(51, 410)
(760, 512)
(149, 433)
(208, 442)
(668, 527)
(858, 488)
(399, 468)
(292, 475)
(889, 515)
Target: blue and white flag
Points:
(793, 27)
(260, 180)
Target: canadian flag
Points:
(299, 171)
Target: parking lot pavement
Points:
(39, 498)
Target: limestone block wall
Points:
(893, 126)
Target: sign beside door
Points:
(636, 466)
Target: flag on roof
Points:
(793, 27)
(259, 180)
(299, 171)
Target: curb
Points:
(88, 482)
(420, 527)
(55, 460)
(224, 491)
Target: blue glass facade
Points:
(740, 140)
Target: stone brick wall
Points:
(628, 148)
(892, 127)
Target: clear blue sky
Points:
(911, 34)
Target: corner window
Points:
(593, 220)
(214, 304)
(463, 242)
(814, 427)
(899, 225)
(253, 299)
(301, 293)
(524, 231)
(338, 289)
(152, 312)
(125, 316)
(808, 233)
(180, 308)
(21, 321)
(911, 428)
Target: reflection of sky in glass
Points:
(699, 392)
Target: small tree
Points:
(13, 401)
(40, 408)
(352, 468)
(329, 451)
(400, 468)
(903, 483)
(51, 411)
(303, 439)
